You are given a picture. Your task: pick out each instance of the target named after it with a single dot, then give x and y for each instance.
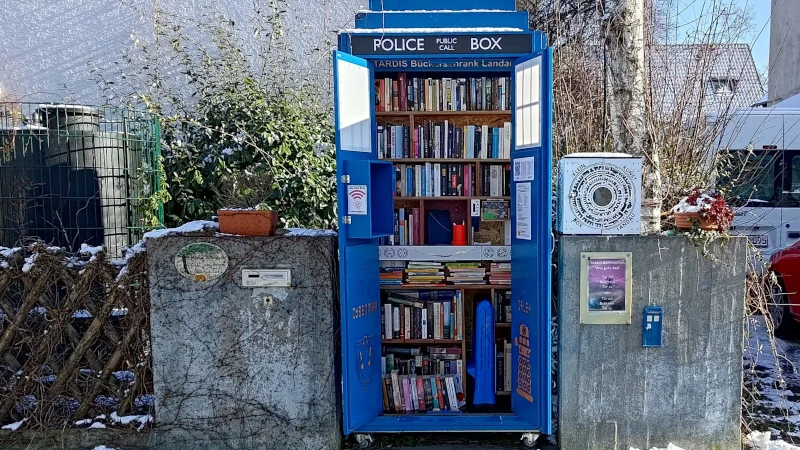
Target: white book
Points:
(388, 321)
(396, 320)
(494, 181)
(411, 230)
(437, 179)
(485, 142)
(460, 369)
(507, 232)
(407, 320)
(507, 140)
(424, 323)
(451, 392)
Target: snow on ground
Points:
(772, 373)
(15, 426)
(103, 447)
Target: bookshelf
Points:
(450, 163)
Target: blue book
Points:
(470, 141)
(424, 192)
(410, 182)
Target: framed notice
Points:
(606, 288)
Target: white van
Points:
(763, 146)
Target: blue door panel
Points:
(532, 244)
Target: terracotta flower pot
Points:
(685, 221)
(247, 222)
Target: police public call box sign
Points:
(431, 44)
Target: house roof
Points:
(682, 76)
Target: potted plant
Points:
(245, 211)
(704, 208)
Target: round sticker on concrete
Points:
(201, 262)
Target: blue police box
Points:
(442, 39)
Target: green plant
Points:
(240, 115)
(245, 190)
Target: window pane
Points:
(795, 192)
(749, 178)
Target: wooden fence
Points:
(74, 339)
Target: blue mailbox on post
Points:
(443, 96)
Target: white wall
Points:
(784, 50)
(47, 47)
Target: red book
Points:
(417, 237)
(381, 91)
(402, 323)
(421, 394)
(403, 92)
(442, 404)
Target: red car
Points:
(785, 306)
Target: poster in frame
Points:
(606, 288)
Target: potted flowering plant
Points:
(246, 212)
(704, 208)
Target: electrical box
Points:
(599, 193)
(653, 326)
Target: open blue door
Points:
(363, 191)
(531, 197)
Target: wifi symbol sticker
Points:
(357, 199)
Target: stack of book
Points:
(496, 180)
(423, 315)
(503, 371)
(434, 180)
(424, 273)
(500, 273)
(465, 273)
(407, 394)
(443, 94)
(391, 275)
(502, 306)
(411, 361)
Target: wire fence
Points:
(75, 174)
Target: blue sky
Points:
(689, 12)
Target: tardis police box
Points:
(438, 105)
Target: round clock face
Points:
(602, 195)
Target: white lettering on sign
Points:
(487, 43)
(399, 44)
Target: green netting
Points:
(76, 174)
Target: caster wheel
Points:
(529, 440)
(364, 440)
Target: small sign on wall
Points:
(606, 288)
(357, 200)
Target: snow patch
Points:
(103, 447)
(97, 425)
(119, 312)
(29, 262)
(671, 446)
(81, 314)
(90, 251)
(762, 441)
(126, 376)
(7, 253)
(126, 420)
(15, 426)
(83, 422)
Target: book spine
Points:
(440, 394)
(403, 93)
(407, 319)
(420, 393)
(407, 395)
(435, 395)
(499, 378)
(388, 319)
(412, 384)
(451, 389)
(388, 400)
(396, 392)
(447, 326)
(396, 323)
(436, 322)
(406, 142)
(507, 367)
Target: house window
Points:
(722, 85)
